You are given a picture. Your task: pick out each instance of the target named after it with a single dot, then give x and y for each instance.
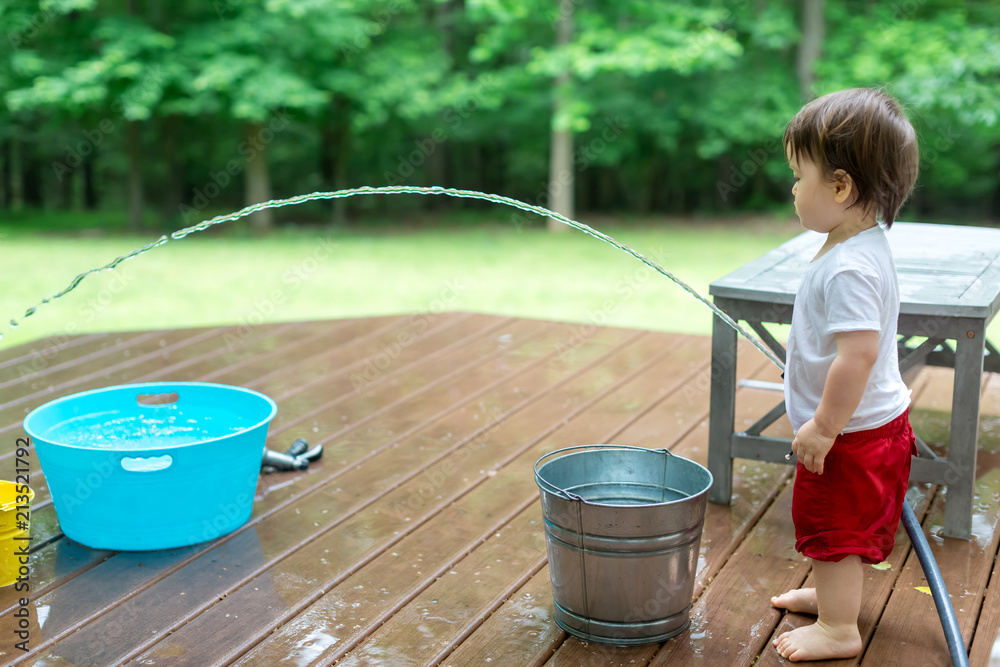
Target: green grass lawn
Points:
(319, 274)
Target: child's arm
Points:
(857, 352)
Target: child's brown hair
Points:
(865, 133)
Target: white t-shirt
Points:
(853, 287)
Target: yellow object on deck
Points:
(15, 512)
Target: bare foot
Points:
(801, 600)
(819, 642)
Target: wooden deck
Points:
(417, 539)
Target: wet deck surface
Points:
(417, 539)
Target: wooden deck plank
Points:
(51, 346)
(30, 362)
(102, 372)
(313, 351)
(521, 633)
(436, 516)
(590, 654)
(415, 371)
(429, 622)
(986, 641)
(317, 368)
(235, 350)
(274, 525)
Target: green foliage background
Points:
(675, 106)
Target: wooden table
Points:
(949, 279)
(417, 539)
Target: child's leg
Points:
(838, 600)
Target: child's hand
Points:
(811, 446)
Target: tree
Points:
(101, 70)
(561, 147)
(810, 45)
(245, 65)
(625, 61)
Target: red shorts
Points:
(855, 505)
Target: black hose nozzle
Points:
(313, 454)
(298, 447)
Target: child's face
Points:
(817, 201)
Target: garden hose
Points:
(956, 645)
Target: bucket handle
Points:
(153, 400)
(569, 495)
(147, 464)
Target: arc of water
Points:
(406, 189)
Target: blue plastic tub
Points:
(152, 466)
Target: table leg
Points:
(961, 475)
(722, 415)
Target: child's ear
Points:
(843, 186)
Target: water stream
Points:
(402, 189)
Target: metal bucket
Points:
(623, 529)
